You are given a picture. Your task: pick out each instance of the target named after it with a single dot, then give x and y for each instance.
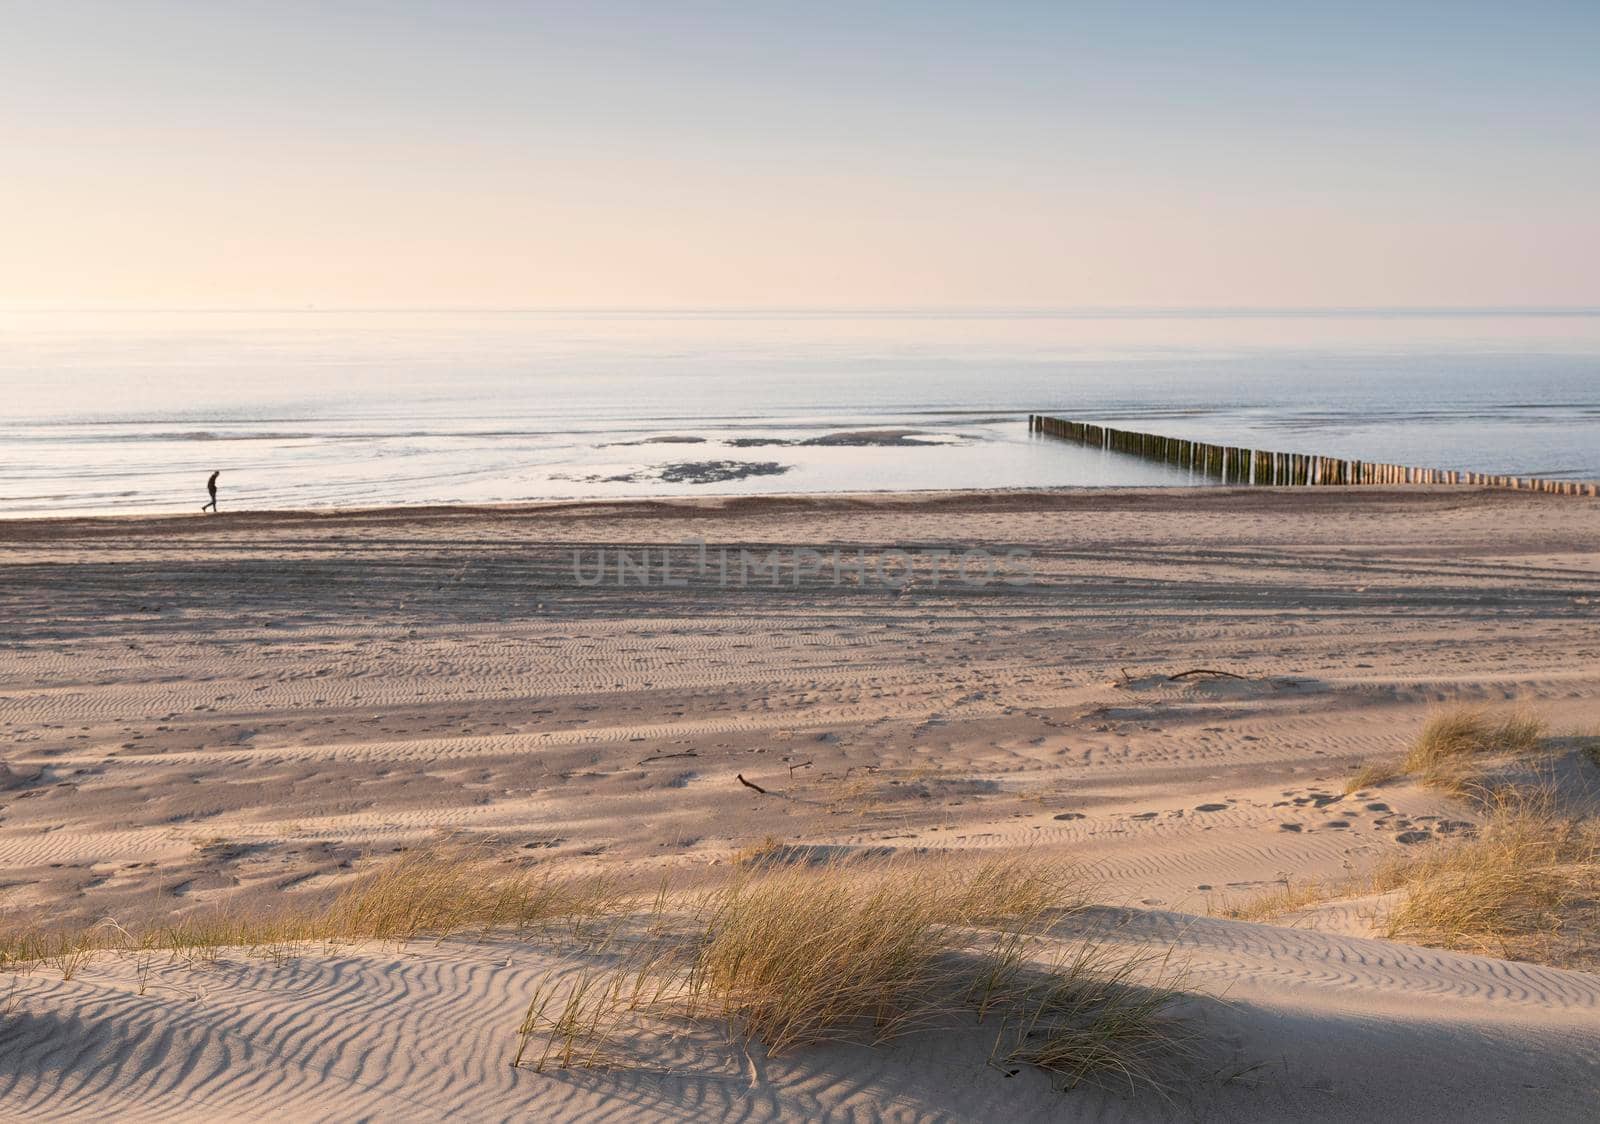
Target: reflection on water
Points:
(130, 411)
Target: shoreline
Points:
(808, 501)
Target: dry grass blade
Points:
(429, 893)
(1511, 891)
(1454, 735)
(786, 955)
(1443, 752)
(1372, 775)
(425, 893)
(1015, 888)
(796, 955)
(1286, 898)
(1096, 1011)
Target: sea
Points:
(129, 411)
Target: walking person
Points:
(211, 486)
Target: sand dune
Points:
(204, 712)
(1313, 1026)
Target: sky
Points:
(809, 154)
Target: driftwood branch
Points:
(1203, 671)
(665, 756)
(749, 784)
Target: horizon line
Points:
(757, 311)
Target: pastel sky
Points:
(673, 153)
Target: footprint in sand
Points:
(1070, 816)
(1289, 827)
(1211, 808)
(1409, 837)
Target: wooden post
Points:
(1233, 464)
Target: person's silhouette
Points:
(211, 486)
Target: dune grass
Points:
(1373, 774)
(801, 955)
(784, 953)
(1095, 1011)
(1525, 886)
(1284, 898)
(431, 892)
(1444, 753)
(795, 955)
(798, 954)
(1453, 737)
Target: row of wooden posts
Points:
(1232, 465)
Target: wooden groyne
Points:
(1230, 464)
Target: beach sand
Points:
(207, 711)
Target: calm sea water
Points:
(130, 411)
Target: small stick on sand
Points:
(1203, 671)
(664, 756)
(747, 784)
(802, 765)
